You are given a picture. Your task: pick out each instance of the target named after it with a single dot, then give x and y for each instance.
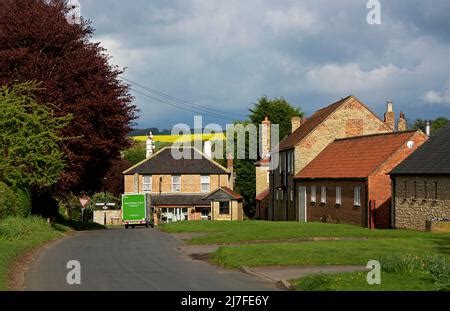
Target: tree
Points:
(29, 139)
(37, 43)
(279, 112)
(135, 153)
(436, 124)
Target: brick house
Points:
(421, 184)
(178, 188)
(347, 117)
(349, 181)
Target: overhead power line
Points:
(180, 107)
(184, 102)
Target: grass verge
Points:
(223, 232)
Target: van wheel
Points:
(132, 226)
(126, 226)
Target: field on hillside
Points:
(182, 138)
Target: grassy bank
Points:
(19, 235)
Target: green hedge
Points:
(14, 202)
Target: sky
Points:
(224, 55)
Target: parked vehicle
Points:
(135, 210)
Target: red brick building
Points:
(349, 182)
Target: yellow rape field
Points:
(182, 138)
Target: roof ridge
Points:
(376, 134)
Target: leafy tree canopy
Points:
(436, 124)
(29, 138)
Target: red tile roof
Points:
(262, 195)
(355, 157)
(234, 194)
(310, 124)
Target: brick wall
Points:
(330, 212)
(236, 211)
(262, 182)
(113, 217)
(189, 183)
(416, 203)
(380, 188)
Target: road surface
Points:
(129, 260)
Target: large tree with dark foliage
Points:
(38, 44)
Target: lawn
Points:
(259, 243)
(251, 231)
(19, 235)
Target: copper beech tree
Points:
(38, 44)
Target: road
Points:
(130, 260)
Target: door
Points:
(302, 204)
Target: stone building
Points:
(349, 181)
(347, 117)
(178, 188)
(421, 185)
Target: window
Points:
(290, 161)
(224, 208)
(357, 196)
(205, 180)
(415, 190)
(435, 196)
(205, 213)
(338, 195)
(323, 194)
(292, 195)
(313, 194)
(176, 183)
(147, 183)
(276, 194)
(281, 164)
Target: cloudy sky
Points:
(224, 55)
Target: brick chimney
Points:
(402, 125)
(265, 138)
(296, 123)
(389, 116)
(230, 167)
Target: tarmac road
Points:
(131, 260)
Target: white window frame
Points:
(338, 195)
(357, 196)
(147, 183)
(313, 194)
(175, 184)
(205, 180)
(323, 194)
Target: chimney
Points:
(207, 149)
(296, 122)
(402, 125)
(428, 128)
(389, 116)
(230, 167)
(265, 138)
(149, 145)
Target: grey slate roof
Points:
(162, 162)
(432, 158)
(178, 199)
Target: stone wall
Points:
(417, 199)
(262, 182)
(236, 211)
(113, 217)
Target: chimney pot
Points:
(428, 128)
(207, 149)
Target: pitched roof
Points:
(355, 157)
(163, 162)
(433, 157)
(222, 193)
(182, 199)
(262, 195)
(310, 124)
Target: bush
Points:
(7, 201)
(70, 207)
(402, 264)
(23, 203)
(103, 197)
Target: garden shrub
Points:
(23, 203)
